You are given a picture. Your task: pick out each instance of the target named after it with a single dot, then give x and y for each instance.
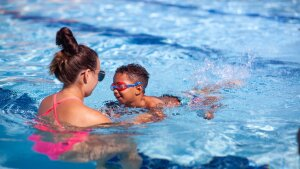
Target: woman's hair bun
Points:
(66, 40)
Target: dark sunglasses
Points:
(101, 75)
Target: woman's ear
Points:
(86, 76)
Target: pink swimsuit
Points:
(54, 149)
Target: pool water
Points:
(182, 44)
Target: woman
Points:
(78, 68)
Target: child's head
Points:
(135, 73)
(129, 82)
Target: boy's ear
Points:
(139, 89)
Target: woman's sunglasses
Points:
(101, 75)
(120, 86)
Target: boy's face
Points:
(128, 95)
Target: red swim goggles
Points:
(120, 86)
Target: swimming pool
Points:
(182, 44)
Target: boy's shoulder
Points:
(153, 102)
(165, 100)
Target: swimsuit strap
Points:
(55, 104)
(54, 110)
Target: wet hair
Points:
(72, 58)
(136, 73)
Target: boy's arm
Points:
(153, 115)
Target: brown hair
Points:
(135, 72)
(72, 59)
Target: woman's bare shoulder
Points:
(85, 116)
(45, 104)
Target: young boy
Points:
(129, 85)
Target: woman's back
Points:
(60, 110)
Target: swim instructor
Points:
(78, 68)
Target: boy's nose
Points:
(115, 91)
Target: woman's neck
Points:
(72, 91)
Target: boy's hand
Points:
(153, 115)
(143, 118)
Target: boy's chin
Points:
(120, 101)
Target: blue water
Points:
(182, 44)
